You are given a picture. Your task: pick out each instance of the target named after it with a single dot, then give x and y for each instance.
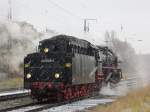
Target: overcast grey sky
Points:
(67, 16)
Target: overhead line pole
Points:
(86, 24)
(10, 10)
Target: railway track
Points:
(58, 106)
(14, 99)
(28, 107)
(17, 107)
(10, 89)
(35, 107)
(10, 95)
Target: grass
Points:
(136, 101)
(15, 83)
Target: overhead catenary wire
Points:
(65, 10)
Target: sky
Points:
(66, 16)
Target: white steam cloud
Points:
(16, 40)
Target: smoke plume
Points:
(135, 67)
(17, 39)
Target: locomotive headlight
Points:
(28, 76)
(57, 75)
(26, 65)
(68, 65)
(46, 50)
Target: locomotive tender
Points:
(65, 67)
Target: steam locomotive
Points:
(65, 68)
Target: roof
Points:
(72, 40)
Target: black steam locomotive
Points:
(65, 68)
